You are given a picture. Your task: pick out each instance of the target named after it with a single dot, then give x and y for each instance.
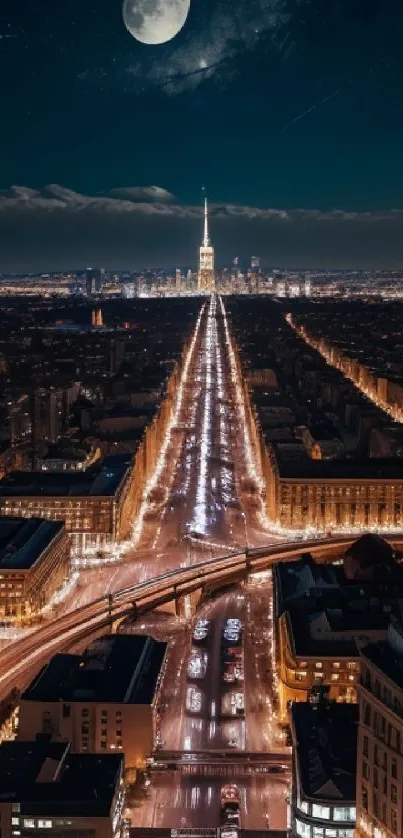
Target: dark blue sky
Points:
(282, 104)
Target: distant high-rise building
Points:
(116, 355)
(307, 286)
(93, 279)
(20, 419)
(206, 277)
(178, 281)
(254, 274)
(49, 414)
(128, 290)
(96, 317)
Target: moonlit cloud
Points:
(132, 227)
(155, 200)
(143, 193)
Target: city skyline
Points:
(136, 227)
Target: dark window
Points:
(365, 746)
(364, 798)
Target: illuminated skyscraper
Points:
(206, 277)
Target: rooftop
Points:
(376, 468)
(387, 660)
(23, 540)
(335, 631)
(115, 669)
(102, 479)
(68, 450)
(46, 779)
(325, 741)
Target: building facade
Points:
(380, 739)
(47, 790)
(323, 494)
(97, 506)
(105, 700)
(323, 770)
(301, 673)
(34, 564)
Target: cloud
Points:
(137, 226)
(143, 193)
(155, 200)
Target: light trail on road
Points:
(161, 461)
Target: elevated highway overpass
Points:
(21, 659)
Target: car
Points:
(229, 794)
(229, 674)
(234, 652)
(232, 630)
(232, 816)
(194, 700)
(229, 831)
(197, 664)
(201, 629)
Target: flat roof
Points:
(101, 480)
(119, 669)
(325, 749)
(23, 540)
(333, 630)
(47, 780)
(375, 468)
(298, 578)
(68, 450)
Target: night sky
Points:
(290, 112)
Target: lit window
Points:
(44, 824)
(302, 829)
(29, 823)
(345, 813)
(318, 665)
(319, 811)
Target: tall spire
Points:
(206, 240)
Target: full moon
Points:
(155, 21)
